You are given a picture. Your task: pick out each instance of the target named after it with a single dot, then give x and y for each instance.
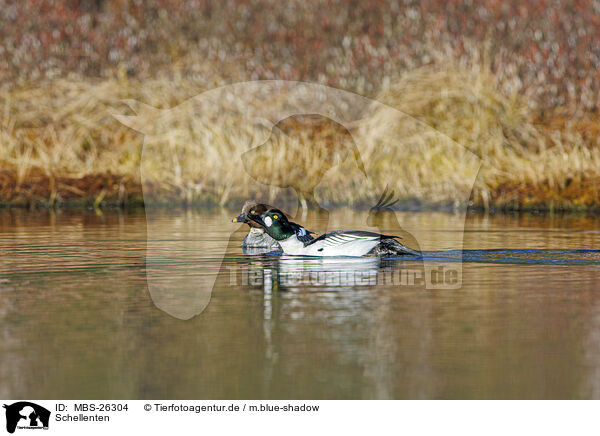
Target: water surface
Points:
(78, 321)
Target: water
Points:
(78, 318)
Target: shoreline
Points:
(110, 191)
(136, 202)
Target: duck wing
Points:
(301, 233)
(340, 237)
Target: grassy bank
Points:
(521, 94)
(61, 145)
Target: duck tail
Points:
(396, 247)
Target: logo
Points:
(298, 146)
(26, 415)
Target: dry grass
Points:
(526, 161)
(516, 82)
(61, 144)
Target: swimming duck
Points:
(336, 243)
(256, 237)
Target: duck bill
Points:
(257, 219)
(241, 218)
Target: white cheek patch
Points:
(301, 232)
(268, 221)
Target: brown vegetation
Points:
(515, 82)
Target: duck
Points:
(257, 237)
(335, 243)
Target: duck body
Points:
(336, 243)
(258, 238)
(344, 243)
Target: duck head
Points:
(275, 224)
(250, 207)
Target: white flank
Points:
(335, 245)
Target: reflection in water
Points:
(288, 273)
(75, 311)
(255, 251)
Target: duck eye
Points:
(275, 217)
